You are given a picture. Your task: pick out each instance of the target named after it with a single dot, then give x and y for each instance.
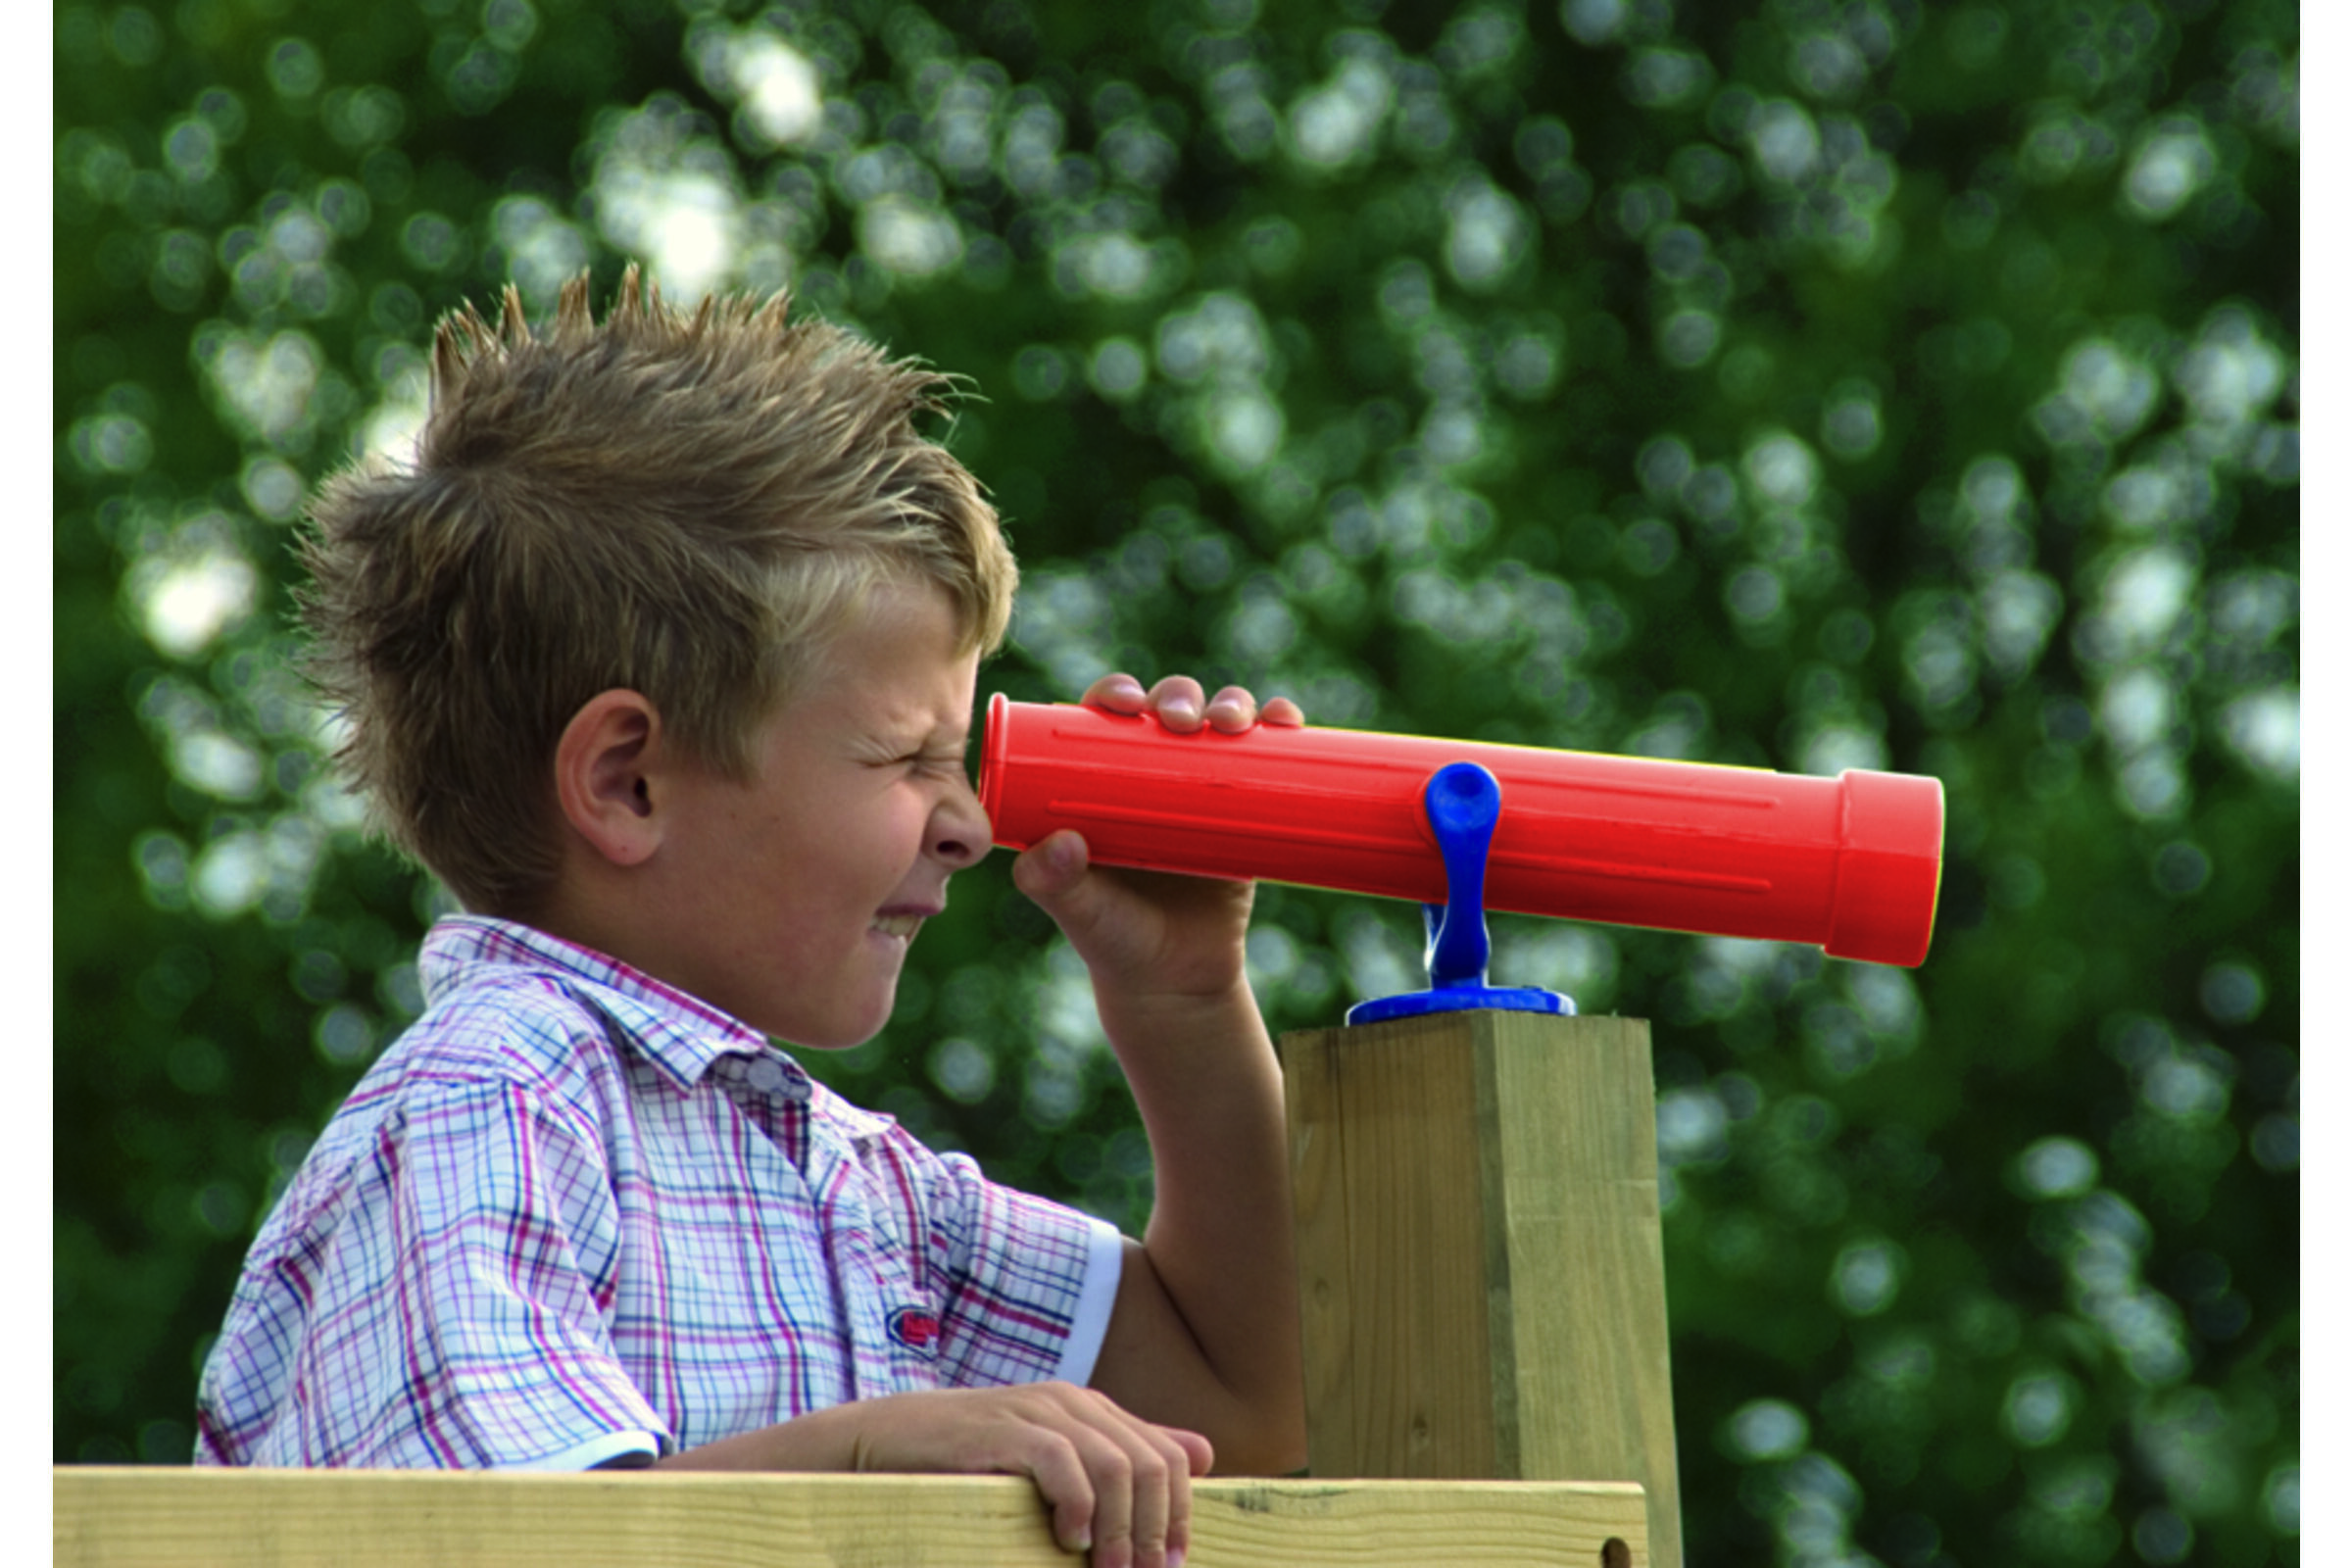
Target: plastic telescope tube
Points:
(1850, 864)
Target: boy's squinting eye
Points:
(936, 756)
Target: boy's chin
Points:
(827, 1044)
(840, 1034)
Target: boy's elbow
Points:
(1290, 1456)
(1288, 1459)
(1271, 1442)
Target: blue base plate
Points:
(1461, 998)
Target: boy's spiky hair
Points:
(688, 506)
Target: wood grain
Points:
(1390, 1230)
(150, 1517)
(1481, 1274)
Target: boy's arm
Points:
(1205, 1332)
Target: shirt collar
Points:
(679, 1033)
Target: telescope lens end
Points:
(1889, 867)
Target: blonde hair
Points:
(687, 505)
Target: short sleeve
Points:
(455, 1298)
(1030, 1282)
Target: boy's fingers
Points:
(1063, 1478)
(1052, 873)
(1083, 1469)
(1112, 1472)
(1156, 1469)
(1134, 1476)
(1052, 866)
(1143, 1491)
(1165, 1460)
(1176, 1534)
(1233, 709)
(1114, 1486)
(1120, 693)
(1179, 702)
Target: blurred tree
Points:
(1801, 383)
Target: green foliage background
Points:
(1808, 383)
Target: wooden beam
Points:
(1482, 1279)
(154, 1517)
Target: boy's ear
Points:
(605, 766)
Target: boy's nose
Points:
(959, 830)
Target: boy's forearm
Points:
(822, 1441)
(1210, 1087)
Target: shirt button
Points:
(765, 1074)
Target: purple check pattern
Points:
(573, 1213)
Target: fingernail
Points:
(1175, 1558)
(1179, 707)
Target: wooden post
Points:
(1481, 1278)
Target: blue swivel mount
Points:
(1463, 802)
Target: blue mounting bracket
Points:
(1463, 802)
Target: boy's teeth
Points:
(898, 925)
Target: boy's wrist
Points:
(1141, 1016)
(821, 1440)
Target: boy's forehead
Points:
(944, 708)
(899, 664)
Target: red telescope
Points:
(1850, 863)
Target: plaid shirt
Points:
(573, 1214)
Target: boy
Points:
(662, 657)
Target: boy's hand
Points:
(1152, 937)
(1117, 1487)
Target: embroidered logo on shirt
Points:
(915, 1329)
